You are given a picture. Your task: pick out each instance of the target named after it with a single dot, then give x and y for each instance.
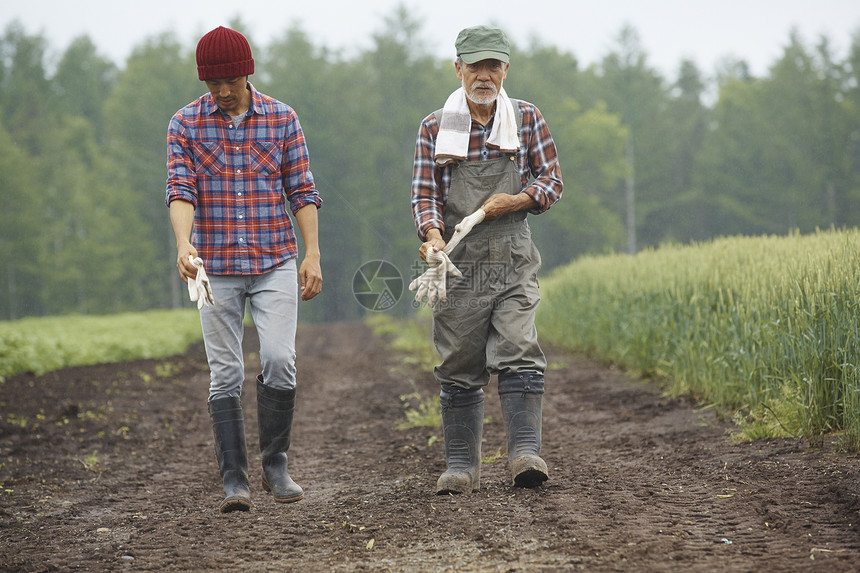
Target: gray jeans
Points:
(273, 298)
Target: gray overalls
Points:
(487, 324)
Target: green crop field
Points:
(764, 327)
(39, 345)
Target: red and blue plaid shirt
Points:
(239, 181)
(537, 158)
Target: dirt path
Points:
(114, 471)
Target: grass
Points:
(765, 326)
(39, 345)
(410, 338)
(420, 412)
(494, 457)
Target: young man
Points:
(236, 159)
(484, 150)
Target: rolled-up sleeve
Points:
(181, 176)
(542, 162)
(428, 197)
(295, 169)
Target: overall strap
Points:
(519, 112)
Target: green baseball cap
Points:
(483, 43)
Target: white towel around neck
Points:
(455, 127)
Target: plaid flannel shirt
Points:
(537, 158)
(238, 179)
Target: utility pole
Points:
(630, 186)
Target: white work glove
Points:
(463, 227)
(432, 283)
(199, 289)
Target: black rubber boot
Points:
(462, 424)
(521, 396)
(275, 417)
(231, 453)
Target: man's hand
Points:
(434, 242)
(310, 272)
(502, 204)
(186, 254)
(310, 277)
(182, 219)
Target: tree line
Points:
(646, 159)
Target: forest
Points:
(647, 160)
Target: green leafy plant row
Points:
(765, 327)
(40, 345)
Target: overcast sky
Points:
(705, 31)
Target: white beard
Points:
(481, 100)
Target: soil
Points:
(111, 468)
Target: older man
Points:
(483, 150)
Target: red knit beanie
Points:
(223, 53)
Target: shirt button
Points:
(239, 193)
(241, 216)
